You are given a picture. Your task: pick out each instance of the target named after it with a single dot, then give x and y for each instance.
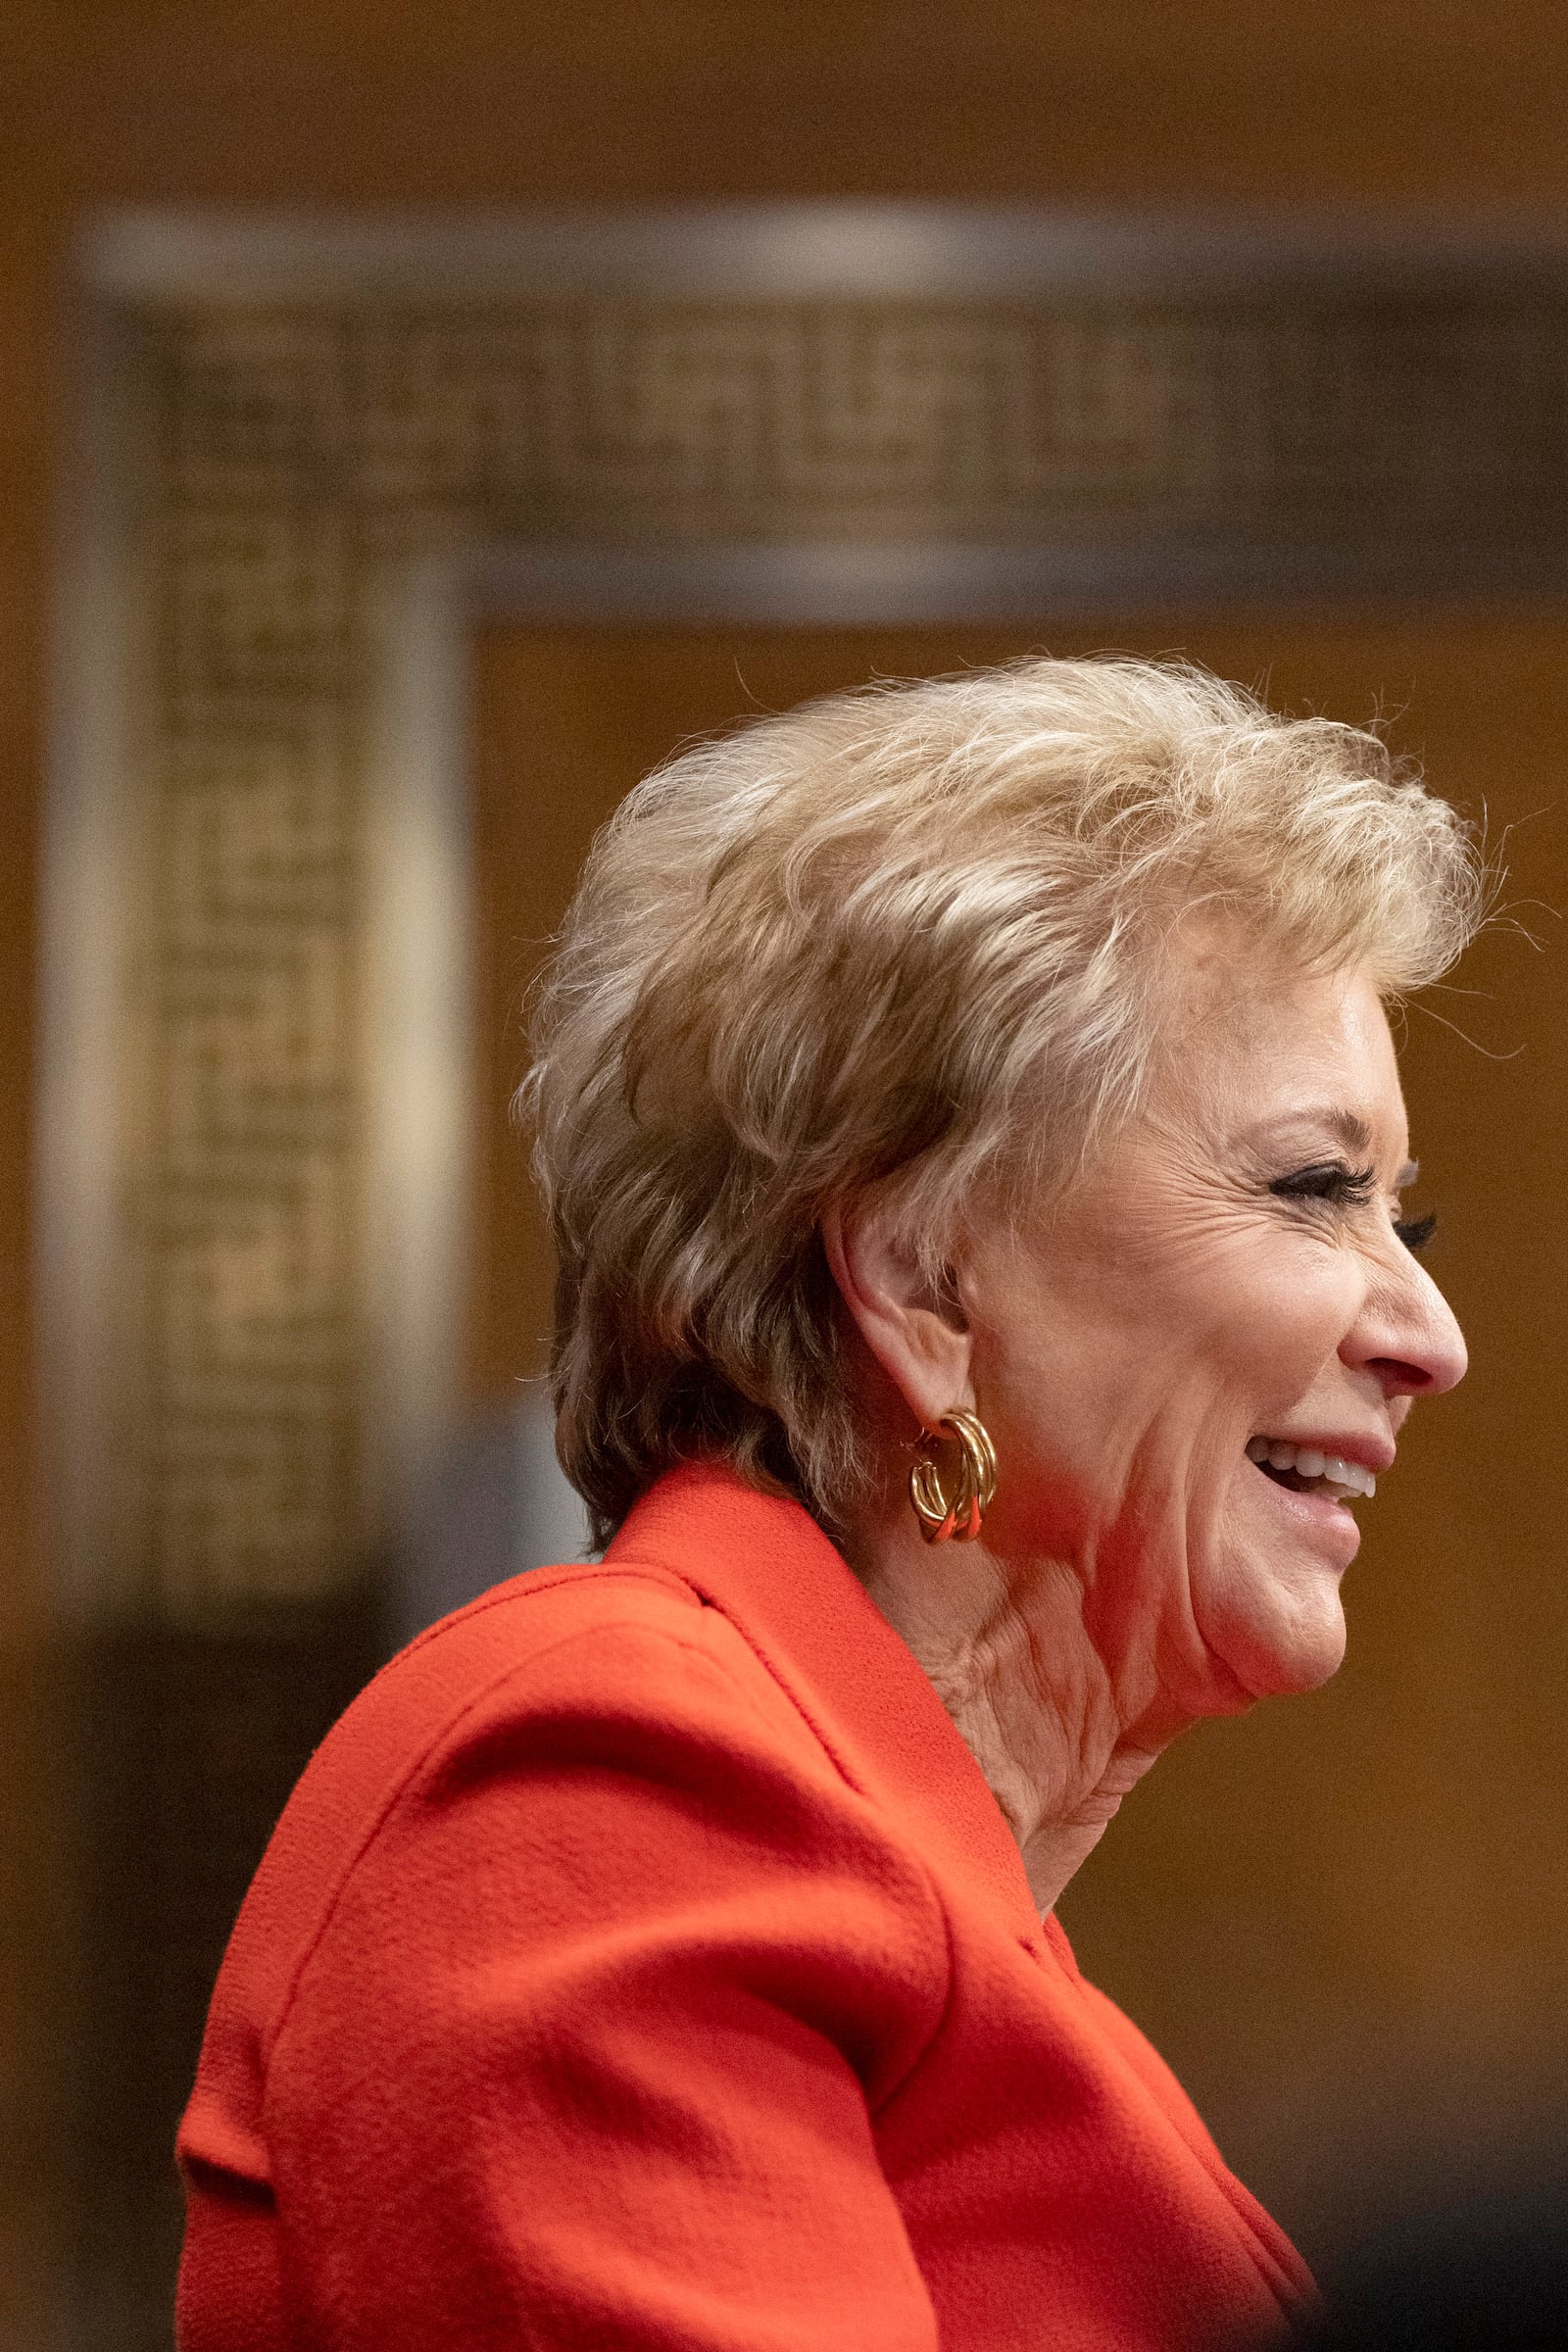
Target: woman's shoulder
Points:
(617, 1666)
(579, 1658)
(574, 1657)
(586, 1752)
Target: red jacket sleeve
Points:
(588, 2045)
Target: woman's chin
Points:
(1274, 1615)
(1279, 1637)
(1289, 1669)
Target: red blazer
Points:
(642, 1962)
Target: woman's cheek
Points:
(1300, 1317)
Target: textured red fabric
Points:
(643, 1961)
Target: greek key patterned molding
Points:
(308, 451)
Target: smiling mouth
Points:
(1306, 1471)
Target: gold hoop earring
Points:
(954, 1517)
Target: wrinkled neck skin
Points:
(1010, 1652)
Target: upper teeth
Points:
(1308, 1462)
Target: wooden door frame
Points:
(874, 368)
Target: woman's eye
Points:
(1333, 1181)
(1339, 1186)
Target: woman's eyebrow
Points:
(1349, 1129)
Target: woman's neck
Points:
(1007, 1651)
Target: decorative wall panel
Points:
(286, 442)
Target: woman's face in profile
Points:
(1226, 1284)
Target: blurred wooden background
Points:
(1369, 1877)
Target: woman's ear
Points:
(917, 1335)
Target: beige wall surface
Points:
(313, 103)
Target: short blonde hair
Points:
(909, 938)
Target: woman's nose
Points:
(1408, 1334)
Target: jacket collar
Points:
(765, 1563)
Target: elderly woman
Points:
(973, 1146)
